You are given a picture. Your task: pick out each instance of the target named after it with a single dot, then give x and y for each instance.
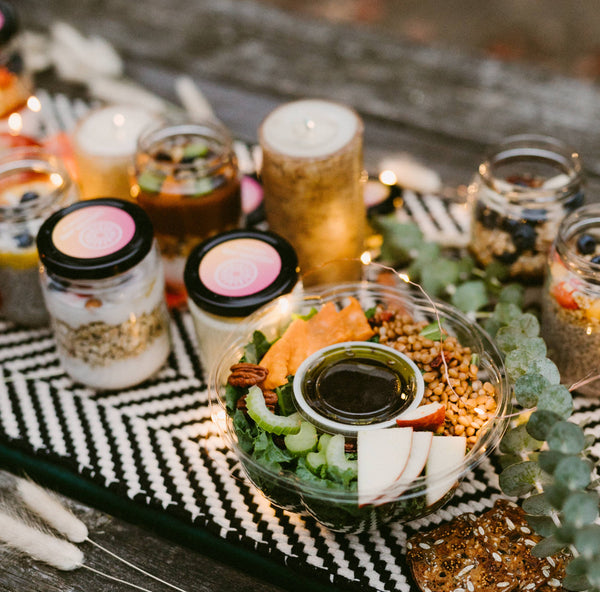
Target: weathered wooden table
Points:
(442, 107)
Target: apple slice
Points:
(426, 417)
(421, 444)
(443, 465)
(382, 456)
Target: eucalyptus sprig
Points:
(545, 455)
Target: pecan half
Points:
(245, 375)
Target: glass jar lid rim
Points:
(239, 306)
(108, 265)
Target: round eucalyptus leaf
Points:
(581, 508)
(528, 388)
(543, 525)
(548, 547)
(576, 583)
(549, 459)
(527, 324)
(509, 338)
(540, 423)
(470, 296)
(566, 437)
(593, 573)
(518, 441)
(521, 478)
(556, 494)
(505, 312)
(509, 459)
(587, 540)
(558, 399)
(537, 505)
(577, 566)
(546, 368)
(512, 294)
(574, 473)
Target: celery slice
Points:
(337, 461)
(266, 419)
(304, 441)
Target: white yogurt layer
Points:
(122, 373)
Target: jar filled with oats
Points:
(521, 192)
(33, 185)
(103, 284)
(571, 299)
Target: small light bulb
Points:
(388, 177)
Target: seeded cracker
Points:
(486, 553)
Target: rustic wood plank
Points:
(243, 44)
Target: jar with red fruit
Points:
(33, 185)
(571, 300)
(15, 81)
(521, 192)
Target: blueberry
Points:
(523, 237)
(23, 240)
(15, 64)
(163, 157)
(595, 260)
(507, 257)
(574, 202)
(586, 244)
(487, 216)
(535, 215)
(29, 196)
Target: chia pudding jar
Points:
(103, 283)
(521, 192)
(33, 185)
(230, 276)
(187, 180)
(571, 299)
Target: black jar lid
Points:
(234, 273)
(95, 239)
(9, 22)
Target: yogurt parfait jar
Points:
(33, 185)
(230, 276)
(521, 192)
(187, 180)
(103, 283)
(571, 299)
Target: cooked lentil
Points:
(470, 403)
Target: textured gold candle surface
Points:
(315, 202)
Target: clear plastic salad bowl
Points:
(334, 504)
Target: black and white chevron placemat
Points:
(155, 444)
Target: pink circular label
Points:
(94, 231)
(240, 267)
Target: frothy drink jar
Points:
(230, 276)
(187, 180)
(103, 284)
(33, 185)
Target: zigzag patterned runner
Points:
(156, 444)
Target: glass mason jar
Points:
(187, 180)
(231, 275)
(103, 283)
(16, 82)
(33, 185)
(571, 299)
(519, 196)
